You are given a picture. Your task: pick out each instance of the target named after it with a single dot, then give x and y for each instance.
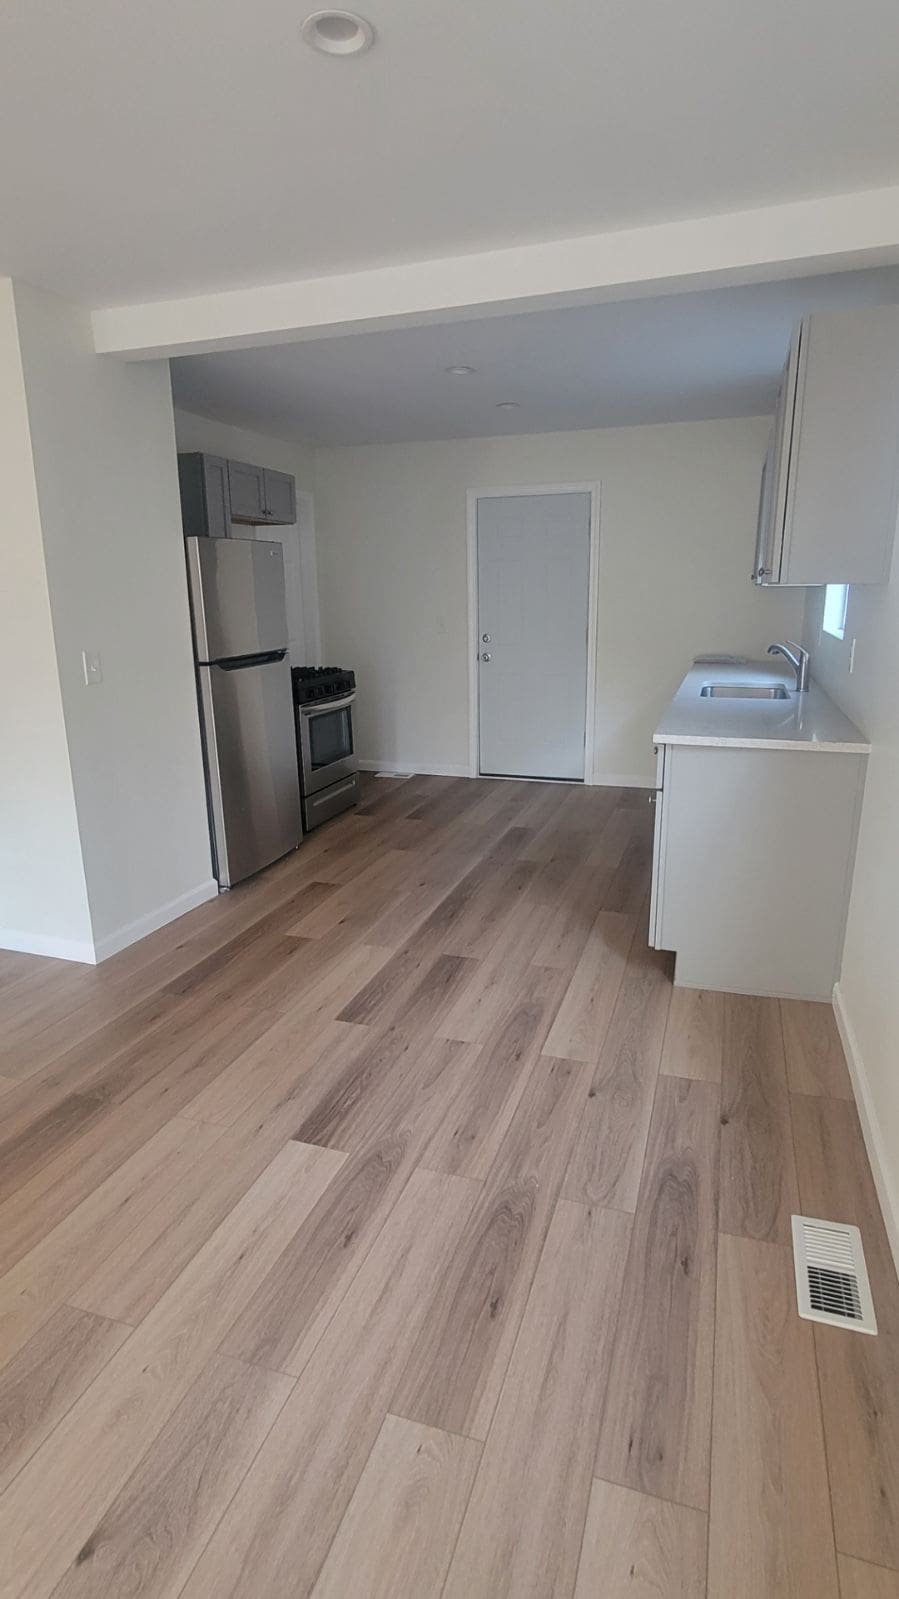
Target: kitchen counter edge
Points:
(810, 722)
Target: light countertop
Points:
(807, 721)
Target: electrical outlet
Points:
(852, 656)
(92, 667)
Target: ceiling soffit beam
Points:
(806, 236)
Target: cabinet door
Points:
(205, 498)
(764, 537)
(280, 497)
(776, 474)
(216, 496)
(844, 465)
(247, 486)
(758, 848)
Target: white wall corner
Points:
(132, 932)
(867, 1115)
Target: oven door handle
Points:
(320, 707)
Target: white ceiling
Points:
(677, 358)
(168, 147)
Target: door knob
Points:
(486, 656)
(485, 638)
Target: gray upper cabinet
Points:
(247, 492)
(828, 502)
(259, 494)
(216, 492)
(205, 496)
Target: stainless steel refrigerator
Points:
(246, 705)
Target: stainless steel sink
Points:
(744, 691)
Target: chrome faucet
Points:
(799, 660)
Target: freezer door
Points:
(251, 766)
(237, 597)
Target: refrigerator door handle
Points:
(236, 663)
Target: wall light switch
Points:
(93, 667)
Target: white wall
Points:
(301, 578)
(868, 993)
(43, 895)
(102, 443)
(676, 542)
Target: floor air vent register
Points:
(831, 1276)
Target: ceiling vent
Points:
(831, 1276)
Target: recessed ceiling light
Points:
(507, 405)
(461, 371)
(338, 33)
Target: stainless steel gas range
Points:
(329, 768)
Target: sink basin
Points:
(744, 691)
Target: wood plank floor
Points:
(391, 1227)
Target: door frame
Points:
(474, 718)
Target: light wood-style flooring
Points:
(390, 1228)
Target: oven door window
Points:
(330, 737)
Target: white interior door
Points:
(533, 554)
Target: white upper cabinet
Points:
(830, 485)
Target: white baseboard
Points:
(867, 1115)
(61, 949)
(133, 931)
(701, 980)
(428, 769)
(621, 780)
(419, 769)
(90, 953)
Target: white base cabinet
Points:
(754, 850)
